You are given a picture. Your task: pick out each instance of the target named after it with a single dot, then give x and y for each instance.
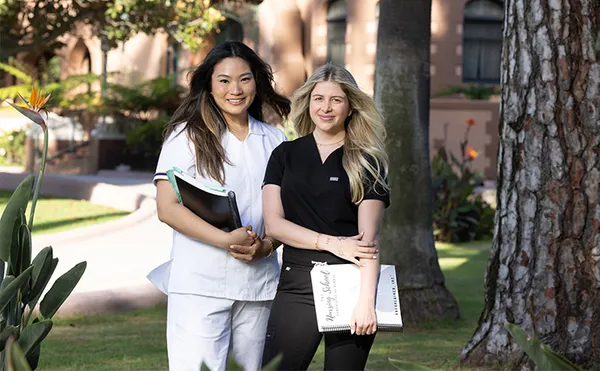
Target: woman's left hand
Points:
(250, 253)
(364, 319)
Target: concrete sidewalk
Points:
(119, 253)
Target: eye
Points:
(245, 79)
(223, 81)
(337, 100)
(317, 99)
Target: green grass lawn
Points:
(59, 214)
(136, 340)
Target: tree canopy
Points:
(38, 25)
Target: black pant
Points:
(292, 329)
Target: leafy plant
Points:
(459, 214)
(541, 354)
(471, 91)
(12, 147)
(62, 91)
(144, 100)
(143, 143)
(544, 358)
(23, 280)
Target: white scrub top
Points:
(199, 268)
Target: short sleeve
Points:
(374, 190)
(275, 167)
(175, 152)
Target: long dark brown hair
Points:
(205, 124)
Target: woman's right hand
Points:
(242, 236)
(349, 248)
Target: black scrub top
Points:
(316, 195)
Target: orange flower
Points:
(36, 100)
(470, 122)
(36, 103)
(471, 153)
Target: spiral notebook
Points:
(336, 288)
(215, 205)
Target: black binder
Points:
(215, 205)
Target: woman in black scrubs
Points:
(323, 196)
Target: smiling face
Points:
(329, 107)
(233, 87)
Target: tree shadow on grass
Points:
(63, 224)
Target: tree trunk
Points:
(402, 94)
(543, 272)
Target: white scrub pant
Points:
(206, 329)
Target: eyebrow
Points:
(334, 96)
(242, 75)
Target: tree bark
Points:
(402, 94)
(543, 272)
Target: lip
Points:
(326, 118)
(236, 101)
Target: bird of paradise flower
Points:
(37, 103)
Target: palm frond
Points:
(16, 72)
(11, 92)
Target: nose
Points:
(236, 89)
(327, 106)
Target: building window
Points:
(229, 30)
(172, 58)
(482, 41)
(336, 32)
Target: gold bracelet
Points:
(272, 246)
(317, 242)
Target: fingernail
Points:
(374, 256)
(231, 247)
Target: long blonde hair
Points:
(364, 148)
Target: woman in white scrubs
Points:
(220, 284)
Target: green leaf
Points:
(16, 72)
(541, 354)
(61, 289)
(32, 336)
(6, 333)
(18, 200)
(10, 290)
(15, 358)
(272, 365)
(407, 366)
(43, 267)
(15, 244)
(33, 358)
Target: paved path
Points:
(119, 253)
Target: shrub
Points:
(474, 92)
(459, 214)
(12, 147)
(143, 143)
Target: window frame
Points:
(485, 21)
(336, 20)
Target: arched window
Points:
(230, 30)
(482, 41)
(336, 32)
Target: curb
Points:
(146, 210)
